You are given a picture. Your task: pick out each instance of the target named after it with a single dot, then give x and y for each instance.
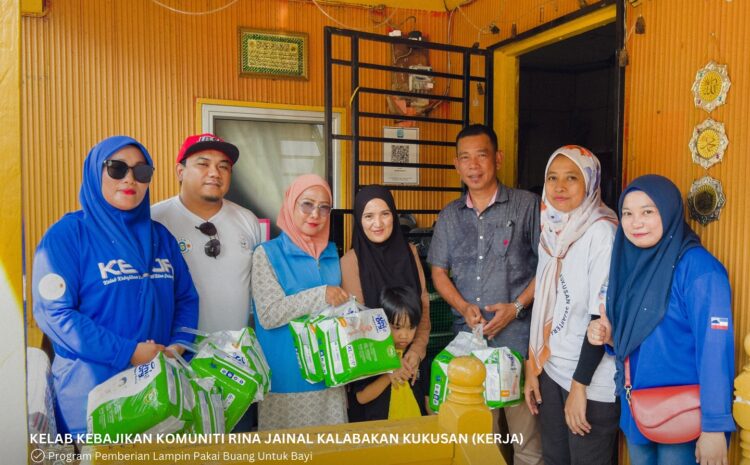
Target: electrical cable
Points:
(385, 21)
(194, 13)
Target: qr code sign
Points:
(399, 154)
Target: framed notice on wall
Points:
(273, 54)
(398, 152)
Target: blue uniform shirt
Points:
(86, 300)
(693, 344)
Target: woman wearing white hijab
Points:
(569, 382)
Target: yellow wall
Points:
(92, 69)
(681, 37)
(12, 351)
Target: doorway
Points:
(568, 95)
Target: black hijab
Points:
(390, 263)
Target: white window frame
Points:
(210, 111)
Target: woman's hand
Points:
(408, 371)
(531, 391)
(711, 449)
(145, 352)
(336, 296)
(172, 348)
(599, 332)
(575, 409)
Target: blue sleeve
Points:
(185, 297)
(439, 253)
(56, 288)
(709, 311)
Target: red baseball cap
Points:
(201, 142)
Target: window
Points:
(276, 145)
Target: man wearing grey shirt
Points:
(484, 255)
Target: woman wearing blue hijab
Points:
(669, 311)
(110, 286)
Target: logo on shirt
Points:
(51, 286)
(185, 245)
(118, 270)
(719, 323)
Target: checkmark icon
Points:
(37, 455)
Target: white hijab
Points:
(559, 231)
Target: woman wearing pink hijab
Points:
(296, 274)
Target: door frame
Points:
(507, 79)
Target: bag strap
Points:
(628, 384)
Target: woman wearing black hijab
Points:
(380, 258)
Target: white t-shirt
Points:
(223, 283)
(581, 292)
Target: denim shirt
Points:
(491, 256)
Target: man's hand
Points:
(472, 315)
(504, 314)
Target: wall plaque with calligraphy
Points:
(711, 86)
(273, 54)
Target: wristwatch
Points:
(521, 311)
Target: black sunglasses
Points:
(213, 246)
(118, 169)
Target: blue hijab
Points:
(640, 280)
(130, 232)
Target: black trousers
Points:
(560, 446)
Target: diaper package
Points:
(147, 398)
(306, 339)
(504, 381)
(463, 344)
(238, 383)
(306, 345)
(356, 346)
(207, 408)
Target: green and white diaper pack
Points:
(504, 371)
(167, 395)
(342, 344)
(503, 386)
(147, 398)
(356, 346)
(234, 360)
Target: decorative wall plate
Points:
(711, 86)
(705, 200)
(708, 144)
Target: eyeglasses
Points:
(118, 169)
(213, 246)
(308, 207)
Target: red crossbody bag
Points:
(666, 415)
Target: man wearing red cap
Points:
(216, 236)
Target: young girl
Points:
(669, 312)
(371, 398)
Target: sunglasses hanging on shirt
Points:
(213, 246)
(118, 169)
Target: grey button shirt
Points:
(492, 256)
